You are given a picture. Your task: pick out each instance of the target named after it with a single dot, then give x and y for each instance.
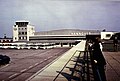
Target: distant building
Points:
(22, 30)
(61, 36)
(6, 40)
(105, 35)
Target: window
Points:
(108, 35)
(25, 33)
(19, 37)
(15, 29)
(22, 32)
(25, 37)
(19, 33)
(15, 38)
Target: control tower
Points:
(22, 30)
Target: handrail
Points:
(96, 72)
(88, 58)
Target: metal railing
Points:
(90, 70)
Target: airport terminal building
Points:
(25, 36)
(24, 32)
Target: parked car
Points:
(4, 59)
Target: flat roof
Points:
(67, 32)
(22, 21)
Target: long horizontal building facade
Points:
(24, 36)
(24, 32)
(61, 36)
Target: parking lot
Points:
(25, 63)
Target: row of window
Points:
(5, 40)
(23, 38)
(22, 28)
(22, 33)
(22, 24)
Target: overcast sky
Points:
(55, 14)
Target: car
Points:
(4, 59)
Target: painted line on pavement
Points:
(23, 70)
(36, 64)
(13, 75)
(30, 67)
(45, 59)
(49, 57)
(41, 61)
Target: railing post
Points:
(88, 73)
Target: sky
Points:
(48, 15)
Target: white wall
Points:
(106, 35)
(15, 33)
(30, 32)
